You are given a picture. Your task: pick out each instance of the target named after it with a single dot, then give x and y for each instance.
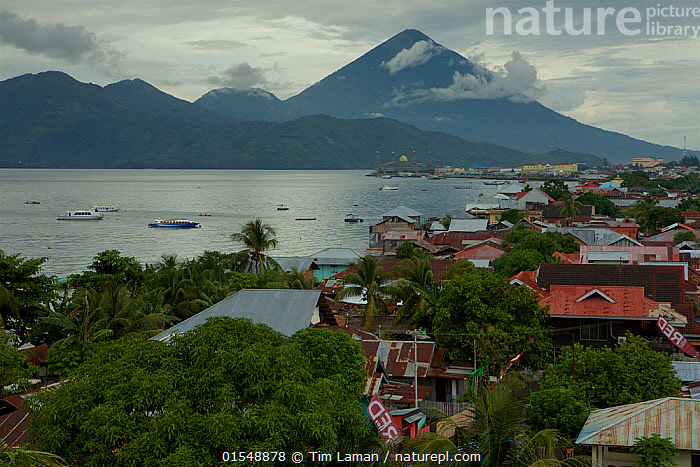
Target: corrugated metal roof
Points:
(398, 357)
(285, 311)
(468, 225)
(688, 372)
(335, 256)
(403, 211)
(300, 263)
(671, 417)
(13, 428)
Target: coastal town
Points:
(571, 306)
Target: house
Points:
(667, 233)
(552, 213)
(595, 236)
(600, 315)
(400, 218)
(332, 260)
(665, 283)
(608, 254)
(489, 250)
(394, 238)
(611, 432)
(286, 311)
(534, 198)
(459, 240)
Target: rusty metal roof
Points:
(671, 417)
(403, 393)
(13, 428)
(398, 357)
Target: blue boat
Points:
(175, 224)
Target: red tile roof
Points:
(456, 239)
(529, 280)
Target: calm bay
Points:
(229, 197)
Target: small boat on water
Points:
(282, 207)
(32, 202)
(305, 219)
(386, 187)
(464, 187)
(497, 182)
(80, 215)
(105, 208)
(204, 214)
(175, 224)
(353, 218)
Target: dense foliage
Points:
(603, 206)
(229, 385)
(652, 218)
(503, 319)
(690, 182)
(13, 365)
(654, 451)
(628, 373)
(555, 188)
(557, 408)
(24, 292)
(512, 215)
(526, 249)
(492, 426)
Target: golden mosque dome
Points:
(403, 159)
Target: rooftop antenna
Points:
(428, 160)
(377, 161)
(684, 150)
(414, 157)
(392, 156)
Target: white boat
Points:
(105, 208)
(175, 224)
(385, 187)
(80, 215)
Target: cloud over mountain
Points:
(71, 43)
(240, 76)
(419, 53)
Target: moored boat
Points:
(105, 208)
(497, 182)
(175, 223)
(353, 218)
(80, 215)
(386, 187)
(282, 207)
(32, 202)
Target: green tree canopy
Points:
(603, 206)
(228, 385)
(502, 318)
(685, 236)
(556, 408)
(24, 292)
(512, 215)
(630, 372)
(654, 451)
(526, 249)
(109, 266)
(555, 188)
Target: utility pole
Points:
(415, 333)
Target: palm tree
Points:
(23, 457)
(369, 282)
(418, 291)
(257, 237)
(568, 209)
(492, 427)
(298, 280)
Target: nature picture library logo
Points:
(553, 19)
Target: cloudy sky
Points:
(646, 85)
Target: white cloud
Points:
(240, 76)
(419, 53)
(516, 80)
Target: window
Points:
(593, 330)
